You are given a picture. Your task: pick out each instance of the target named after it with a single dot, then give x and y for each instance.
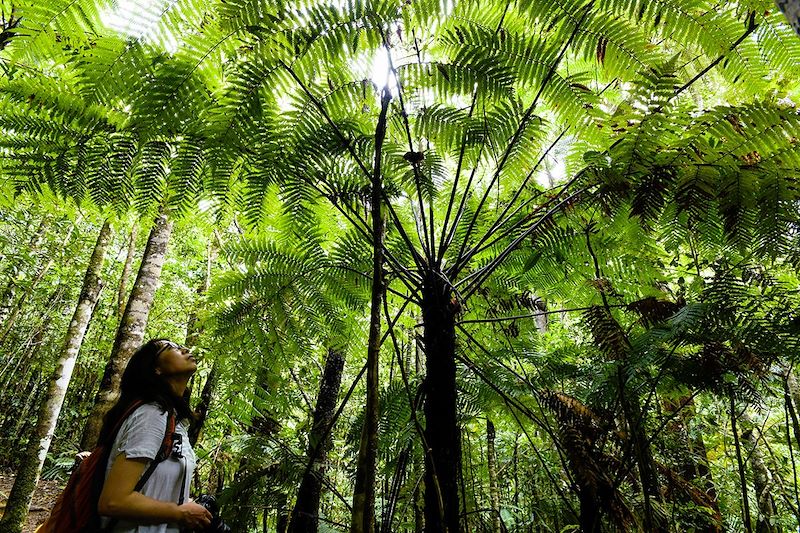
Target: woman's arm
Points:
(119, 500)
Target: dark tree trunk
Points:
(201, 409)
(590, 513)
(363, 515)
(494, 489)
(305, 517)
(443, 461)
(131, 328)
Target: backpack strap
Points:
(163, 453)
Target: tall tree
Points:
(363, 520)
(130, 333)
(27, 475)
(491, 465)
(305, 515)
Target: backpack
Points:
(75, 510)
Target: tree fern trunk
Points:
(494, 490)
(305, 517)
(131, 329)
(363, 516)
(31, 466)
(443, 460)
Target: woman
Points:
(157, 374)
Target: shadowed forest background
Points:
(448, 266)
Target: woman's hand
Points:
(194, 516)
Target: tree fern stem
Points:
(430, 240)
(363, 517)
(461, 152)
(742, 477)
(521, 127)
(441, 421)
(501, 218)
(355, 157)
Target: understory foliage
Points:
(602, 197)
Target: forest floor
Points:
(43, 499)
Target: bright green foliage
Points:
(629, 166)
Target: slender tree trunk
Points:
(762, 478)
(363, 516)
(748, 527)
(419, 488)
(193, 327)
(131, 329)
(31, 466)
(419, 507)
(305, 517)
(494, 490)
(443, 460)
(542, 322)
(122, 292)
(193, 332)
(791, 392)
(202, 407)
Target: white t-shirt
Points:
(140, 437)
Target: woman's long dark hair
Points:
(140, 382)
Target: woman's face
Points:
(175, 360)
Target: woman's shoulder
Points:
(149, 411)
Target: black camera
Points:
(217, 524)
